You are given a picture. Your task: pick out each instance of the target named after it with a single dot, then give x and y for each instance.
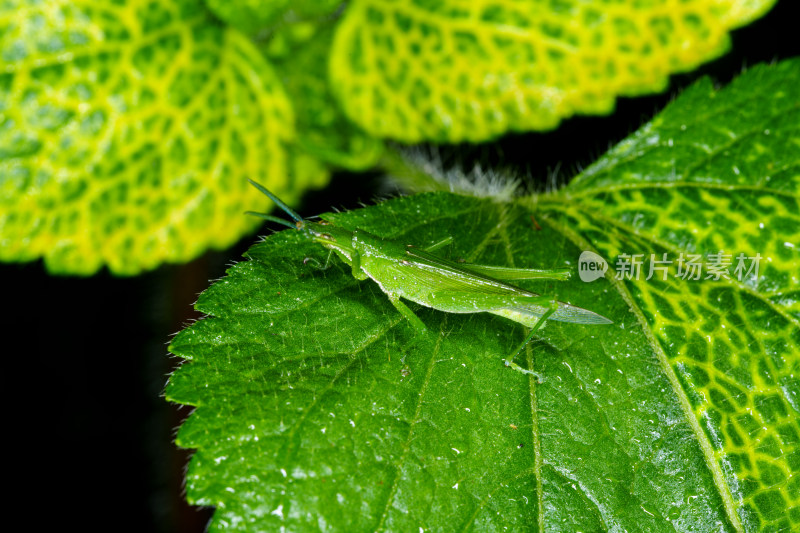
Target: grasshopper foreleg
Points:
(315, 262)
(355, 265)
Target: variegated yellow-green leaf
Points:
(318, 407)
(471, 70)
(127, 130)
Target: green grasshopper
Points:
(404, 271)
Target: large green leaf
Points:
(127, 130)
(317, 406)
(459, 70)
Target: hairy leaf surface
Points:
(318, 407)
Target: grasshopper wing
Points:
(528, 314)
(522, 306)
(457, 277)
(471, 291)
(490, 271)
(498, 272)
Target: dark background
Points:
(85, 361)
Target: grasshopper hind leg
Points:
(409, 315)
(515, 366)
(435, 246)
(509, 362)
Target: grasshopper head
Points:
(327, 235)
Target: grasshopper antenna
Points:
(270, 218)
(288, 210)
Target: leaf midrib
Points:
(706, 447)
